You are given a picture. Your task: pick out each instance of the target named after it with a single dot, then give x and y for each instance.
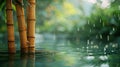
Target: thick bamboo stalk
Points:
(10, 27)
(31, 25)
(22, 27)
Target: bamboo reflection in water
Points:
(24, 60)
(11, 59)
(31, 62)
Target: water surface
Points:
(65, 53)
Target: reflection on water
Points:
(11, 60)
(17, 60)
(65, 53)
(59, 60)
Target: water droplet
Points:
(101, 36)
(114, 45)
(104, 52)
(103, 58)
(106, 46)
(119, 7)
(104, 49)
(96, 46)
(90, 57)
(83, 47)
(113, 29)
(112, 51)
(87, 47)
(93, 25)
(92, 42)
(108, 38)
(100, 20)
(88, 42)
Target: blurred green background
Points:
(82, 33)
(82, 20)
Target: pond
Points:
(65, 53)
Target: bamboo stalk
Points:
(10, 27)
(22, 27)
(31, 25)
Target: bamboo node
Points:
(19, 15)
(9, 9)
(9, 24)
(31, 19)
(30, 37)
(21, 30)
(32, 3)
(11, 41)
(31, 47)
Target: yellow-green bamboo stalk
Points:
(31, 25)
(21, 26)
(10, 27)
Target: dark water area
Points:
(65, 53)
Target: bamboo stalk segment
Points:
(31, 25)
(10, 27)
(22, 27)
